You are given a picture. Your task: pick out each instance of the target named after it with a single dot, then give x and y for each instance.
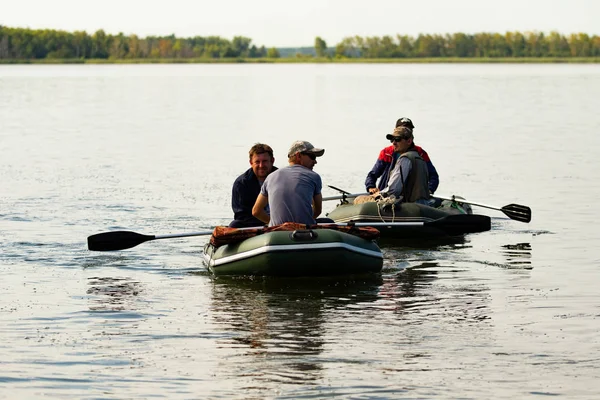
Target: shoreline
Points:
(314, 60)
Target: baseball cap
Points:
(405, 122)
(302, 146)
(400, 131)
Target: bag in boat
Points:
(225, 235)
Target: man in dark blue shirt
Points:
(246, 187)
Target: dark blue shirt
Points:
(246, 189)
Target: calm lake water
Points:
(509, 313)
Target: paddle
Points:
(121, 240)
(455, 224)
(452, 224)
(512, 211)
(343, 196)
(338, 189)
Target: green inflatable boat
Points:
(306, 252)
(412, 220)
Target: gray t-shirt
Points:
(290, 191)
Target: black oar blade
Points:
(461, 224)
(117, 240)
(517, 212)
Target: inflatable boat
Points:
(412, 220)
(316, 251)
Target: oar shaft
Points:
(344, 196)
(459, 200)
(374, 224)
(338, 189)
(178, 235)
(201, 233)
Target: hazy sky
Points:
(284, 23)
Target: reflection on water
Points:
(412, 280)
(113, 294)
(422, 292)
(518, 255)
(281, 321)
(288, 327)
(423, 243)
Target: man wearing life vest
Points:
(408, 179)
(384, 161)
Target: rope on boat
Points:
(383, 202)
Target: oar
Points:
(120, 240)
(338, 189)
(452, 224)
(455, 224)
(343, 196)
(512, 211)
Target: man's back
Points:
(290, 191)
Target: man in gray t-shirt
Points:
(293, 193)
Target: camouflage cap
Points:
(302, 146)
(401, 132)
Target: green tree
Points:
(4, 53)
(273, 53)
(229, 52)
(119, 47)
(499, 46)
(516, 42)
(82, 44)
(241, 46)
(100, 44)
(459, 45)
(320, 47)
(135, 47)
(580, 45)
(595, 46)
(25, 44)
(253, 52)
(405, 46)
(536, 44)
(349, 47)
(557, 45)
(429, 46)
(212, 50)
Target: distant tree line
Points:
(29, 44)
(18, 43)
(511, 44)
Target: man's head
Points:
(261, 160)
(304, 153)
(405, 122)
(402, 138)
